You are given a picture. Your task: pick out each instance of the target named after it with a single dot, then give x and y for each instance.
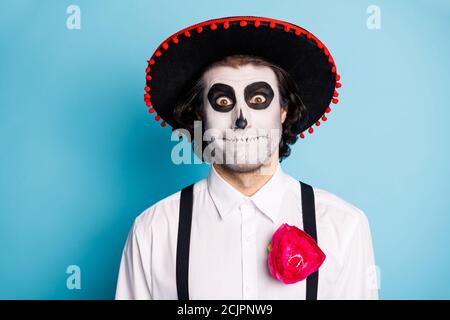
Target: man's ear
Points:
(283, 113)
(199, 113)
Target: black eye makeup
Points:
(258, 95)
(221, 97)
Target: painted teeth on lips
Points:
(244, 139)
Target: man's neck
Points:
(248, 183)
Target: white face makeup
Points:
(242, 115)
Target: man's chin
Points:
(242, 168)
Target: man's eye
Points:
(258, 99)
(224, 101)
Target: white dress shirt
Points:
(229, 238)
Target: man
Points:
(255, 84)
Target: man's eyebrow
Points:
(258, 85)
(221, 87)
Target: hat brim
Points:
(182, 57)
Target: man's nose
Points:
(241, 122)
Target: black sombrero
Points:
(180, 59)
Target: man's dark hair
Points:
(189, 107)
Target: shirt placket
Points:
(248, 241)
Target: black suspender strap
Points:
(184, 239)
(309, 226)
(183, 242)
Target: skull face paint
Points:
(242, 115)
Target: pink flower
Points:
(293, 254)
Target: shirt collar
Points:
(267, 199)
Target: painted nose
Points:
(241, 122)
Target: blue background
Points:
(81, 157)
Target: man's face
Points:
(242, 115)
